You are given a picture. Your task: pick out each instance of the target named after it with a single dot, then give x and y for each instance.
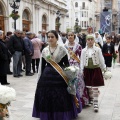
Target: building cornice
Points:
(55, 5)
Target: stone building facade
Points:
(35, 15)
(84, 10)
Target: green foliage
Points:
(58, 24)
(68, 30)
(14, 16)
(77, 28)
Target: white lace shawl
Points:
(75, 47)
(59, 53)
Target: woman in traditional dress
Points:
(52, 100)
(76, 48)
(91, 62)
(98, 39)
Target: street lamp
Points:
(15, 5)
(58, 19)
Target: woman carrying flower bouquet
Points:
(52, 100)
(76, 49)
(91, 62)
(108, 51)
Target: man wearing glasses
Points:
(16, 47)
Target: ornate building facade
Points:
(84, 11)
(35, 15)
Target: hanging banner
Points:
(105, 22)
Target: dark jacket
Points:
(107, 48)
(15, 44)
(28, 46)
(3, 58)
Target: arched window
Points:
(44, 19)
(44, 22)
(26, 20)
(76, 4)
(25, 15)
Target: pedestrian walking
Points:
(92, 64)
(76, 49)
(108, 50)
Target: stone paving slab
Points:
(109, 99)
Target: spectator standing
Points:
(7, 38)
(23, 35)
(43, 38)
(29, 51)
(16, 48)
(3, 60)
(37, 45)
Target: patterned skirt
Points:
(93, 77)
(82, 90)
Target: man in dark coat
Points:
(29, 51)
(16, 47)
(3, 61)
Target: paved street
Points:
(109, 100)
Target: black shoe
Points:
(9, 73)
(20, 75)
(16, 76)
(29, 74)
(22, 70)
(6, 84)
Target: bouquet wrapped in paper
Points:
(71, 73)
(7, 94)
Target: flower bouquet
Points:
(71, 73)
(107, 75)
(114, 57)
(7, 95)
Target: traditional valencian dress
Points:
(108, 50)
(82, 91)
(92, 62)
(52, 100)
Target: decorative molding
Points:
(6, 18)
(37, 6)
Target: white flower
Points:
(71, 72)
(107, 75)
(7, 94)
